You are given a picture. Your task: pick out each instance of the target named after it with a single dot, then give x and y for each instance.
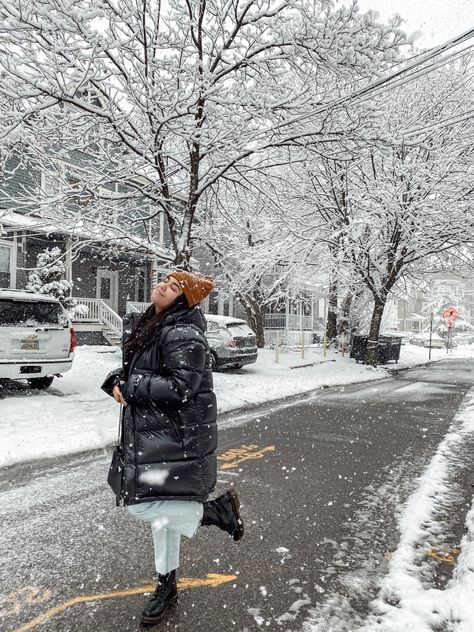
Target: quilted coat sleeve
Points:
(183, 358)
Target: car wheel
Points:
(40, 382)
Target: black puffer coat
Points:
(169, 426)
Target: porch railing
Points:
(288, 321)
(110, 318)
(92, 314)
(136, 306)
(98, 312)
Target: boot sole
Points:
(152, 620)
(235, 500)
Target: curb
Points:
(302, 366)
(288, 399)
(313, 392)
(396, 370)
(224, 415)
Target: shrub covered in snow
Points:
(48, 278)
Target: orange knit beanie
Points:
(195, 286)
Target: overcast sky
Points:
(435, 20)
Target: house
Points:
(112, 269)
(296, 310)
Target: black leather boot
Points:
(223, 512)
(165, 595)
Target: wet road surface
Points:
(320, 483)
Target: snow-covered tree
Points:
(414, 195)
(253, 258)
(49, 278)
(399, 197)
(160, 101)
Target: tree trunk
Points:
(181, 261)
(343, 325)
(256, 322)
(376, 321)
(331, 323)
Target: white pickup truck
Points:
(37, 341)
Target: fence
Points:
(288, 321)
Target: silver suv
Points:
(37, 341)
(232, 342)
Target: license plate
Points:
(29, 344)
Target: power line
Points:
(375, 85)
(465, 116)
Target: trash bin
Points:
(392, 346)
(358, 348)
(388, 348)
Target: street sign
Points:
(450, 314)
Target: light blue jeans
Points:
(169, 520)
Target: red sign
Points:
(450, 314)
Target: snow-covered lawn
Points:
(74, 415)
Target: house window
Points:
(5, 265)
(105, 288)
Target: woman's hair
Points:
(146, 326)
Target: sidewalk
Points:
(74, 415)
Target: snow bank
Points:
(74, 415)
(406, 601)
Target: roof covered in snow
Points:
(81, 230)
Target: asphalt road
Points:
(320, 481)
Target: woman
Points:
(169, 430)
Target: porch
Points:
(94, 315)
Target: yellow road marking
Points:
(448, 555)
(244, 453)
(30, 594)
(213, 580)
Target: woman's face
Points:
(165, 293)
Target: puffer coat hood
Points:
(169, 430)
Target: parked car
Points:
(232, 342)
(464, 338)
(423, 340)
(37, 341)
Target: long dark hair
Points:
(146, 328)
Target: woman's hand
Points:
(118, 395)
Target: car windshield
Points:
(30, 313)
(239, 329)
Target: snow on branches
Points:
(158, 102)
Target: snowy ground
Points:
(74, 415)
(408, 598)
